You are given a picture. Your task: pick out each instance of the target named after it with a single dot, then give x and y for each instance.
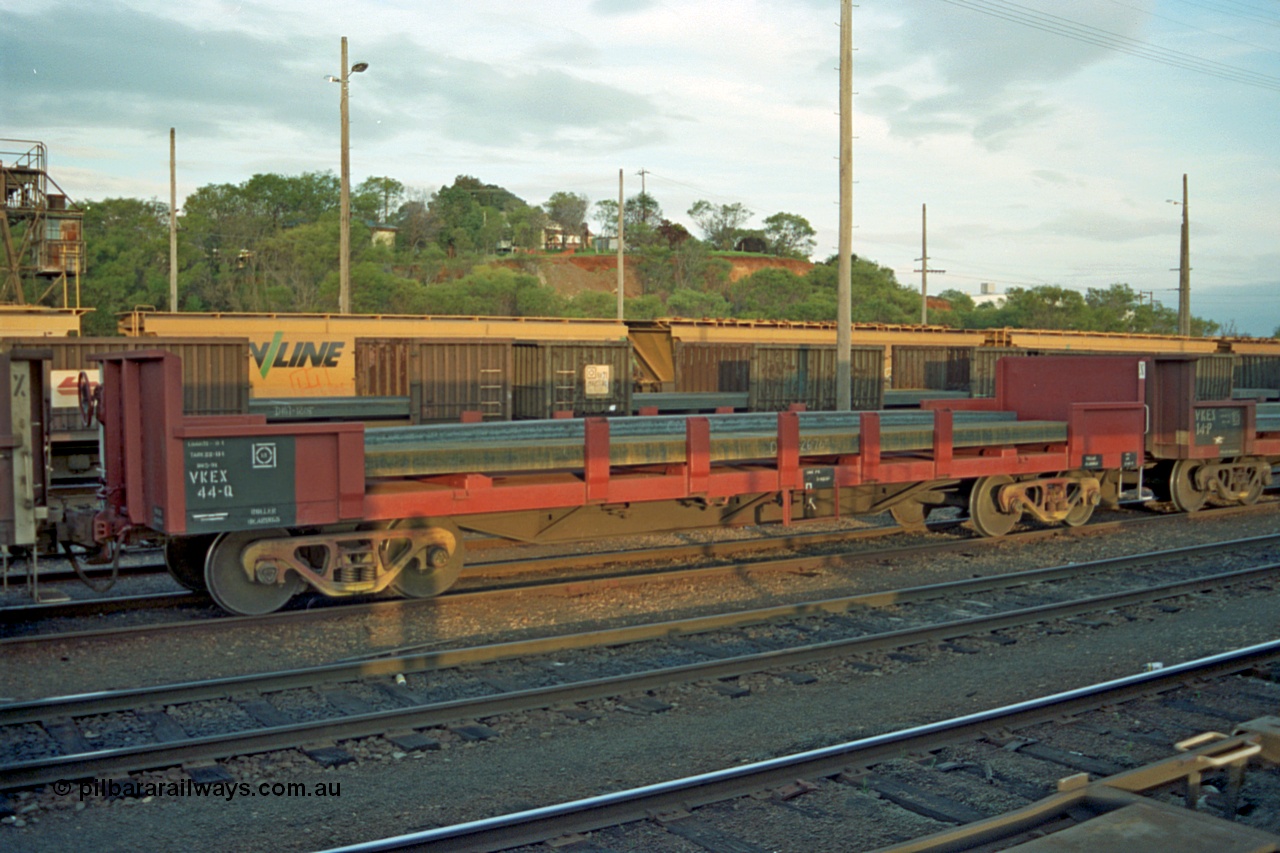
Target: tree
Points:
(642, 209)
(459, 223)
(877, 295)
(672, 233)
(593, 303)
(493, 291)
(567, 210)
(719, 223)
(696, 304)
(413, 224)
(789, 235)
(375, 198)
(126, 259)
(642, 217)
(768, 294)
(525, 226)
(648, 307)
(606, 215)
(1047, 307)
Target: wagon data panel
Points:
(239, 483)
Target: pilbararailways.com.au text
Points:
(115, 788)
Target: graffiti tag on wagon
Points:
(281, 353)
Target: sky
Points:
(1047, 139)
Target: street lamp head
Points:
(358, 67)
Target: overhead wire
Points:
(1196, 28)
(1258, 15)
(1056, 25)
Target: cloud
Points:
(500, 106)
(135, 70)
(622, 7)
(982, 74)
(113, 66)
(1095, 225)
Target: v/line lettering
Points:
(281, 353)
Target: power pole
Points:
(644, 197)
(844, 279)
(621, 317)
(924, 266)
(173, 221)
(1184, 270)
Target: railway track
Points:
(481, 576)
(1005, 776)
(405, 696)
(566, 573)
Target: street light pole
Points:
(344, 245)
(344, 204)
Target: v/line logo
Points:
(280, 353)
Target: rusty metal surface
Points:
(785, 375)
(1214, 377)
(1257, 371)
(937, 368)
(710, 367)
(582, 377)
(214, 380)
(442, 378)
(382, 367)
(50, 244)
(982, 368)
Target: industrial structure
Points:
(43, 245)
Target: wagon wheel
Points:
(231, 586)
(1254, 491)
(1083, 511)
(1080, 515)
(984, 508)
(911, 514)
(184, 557)
(432, 553)
(1184, 493)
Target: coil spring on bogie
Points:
(356, 564)
(355, 573)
